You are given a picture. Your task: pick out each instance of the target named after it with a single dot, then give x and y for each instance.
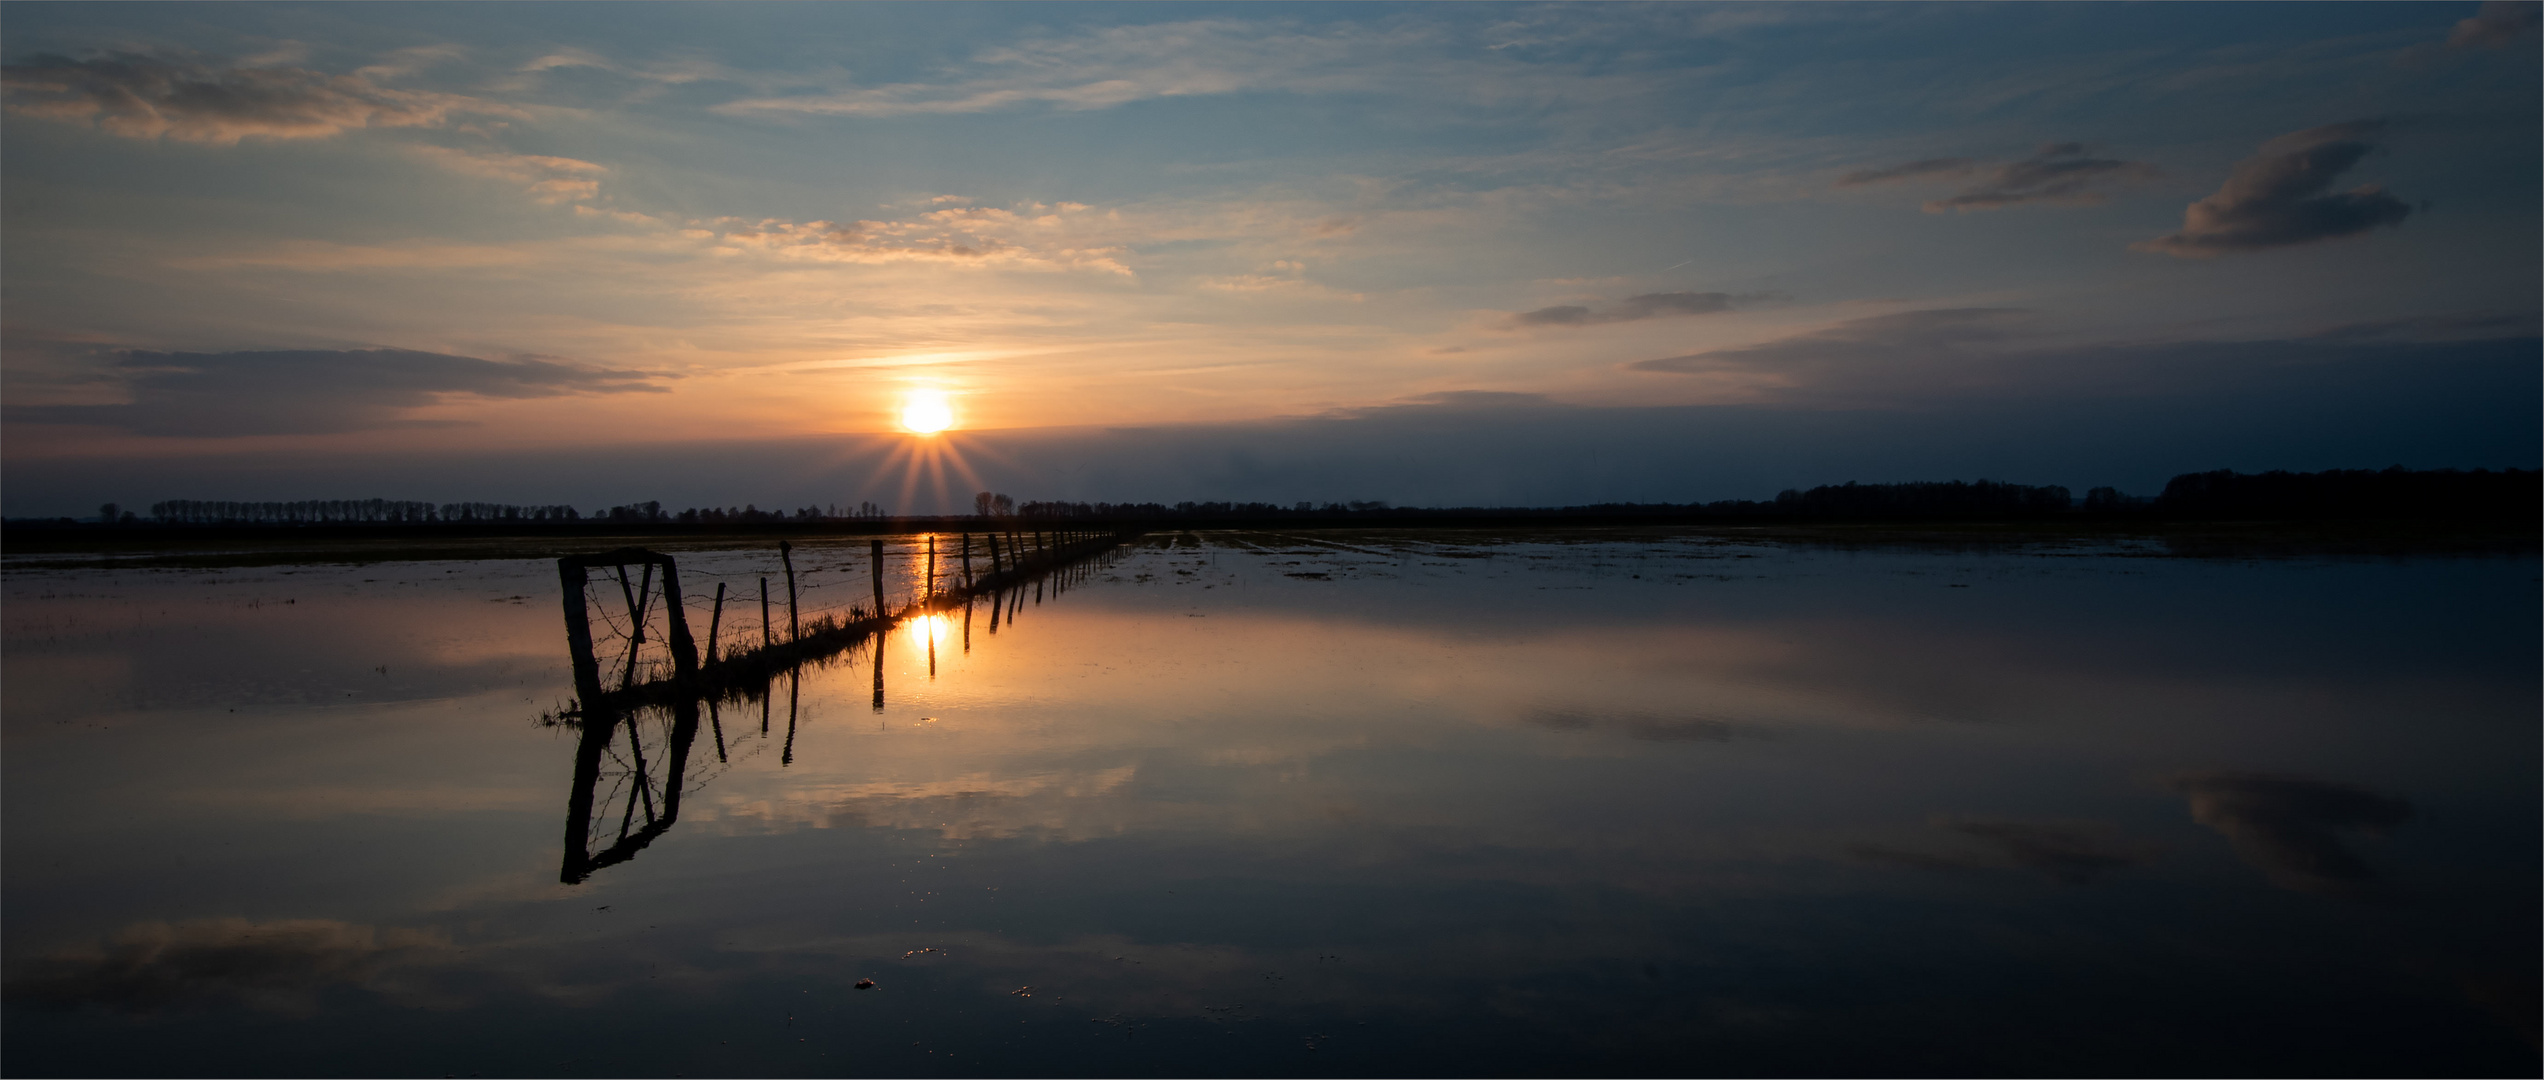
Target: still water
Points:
(1252, 803)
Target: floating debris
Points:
(863, 984)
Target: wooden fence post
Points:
(877, 551)
(714, 622)
(786, 554)
(578, 632)
(684, 649)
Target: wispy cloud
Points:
(671, 72)
(1406, 60)
(401, 63)
(2057, 173)
(549, 179)
(146, 97)
(1947, 166)
(2277, 198)
(1643, 727)
(2067, 852)
(1031, 236)
(1116, 66)
(1920, 358)
(317, 391)
(1896, 342)
(1633, 309)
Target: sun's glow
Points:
(927, 413)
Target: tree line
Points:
(2357, 493)
(341, 512)
(2394, 493)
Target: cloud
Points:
(146, 97)
(550, 179)
(2276, 198)
(675, 73)
(1116, 66)
(2499, 25)
(1642, 727)
(1953, 166)
(1896, 344)
(2068, 852)
(284, 965)
(1646, 306)
(1032, 236)
(316, 391)
(2058, 172)
(1915, 359)
(400, 63)
(2288, 826)
(2435, 328)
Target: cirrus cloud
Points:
(1633, 308)
(316, 391)
(548, 179)
(147, 97)
(1035, 236)
(2056, 173)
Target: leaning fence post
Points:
(578, 632)
(768, 637)
(967, 560)
(714, 622)
(684, 650)
(786, 554)
(930, 596)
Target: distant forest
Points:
(2395, 493)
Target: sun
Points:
(927, 413)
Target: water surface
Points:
(1252, 803)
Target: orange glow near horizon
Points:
(927, 413)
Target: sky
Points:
(1435, 254)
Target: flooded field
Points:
(1285, 804)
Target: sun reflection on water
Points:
(928, 630)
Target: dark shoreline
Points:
(52, 545)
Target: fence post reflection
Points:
(647, 801)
